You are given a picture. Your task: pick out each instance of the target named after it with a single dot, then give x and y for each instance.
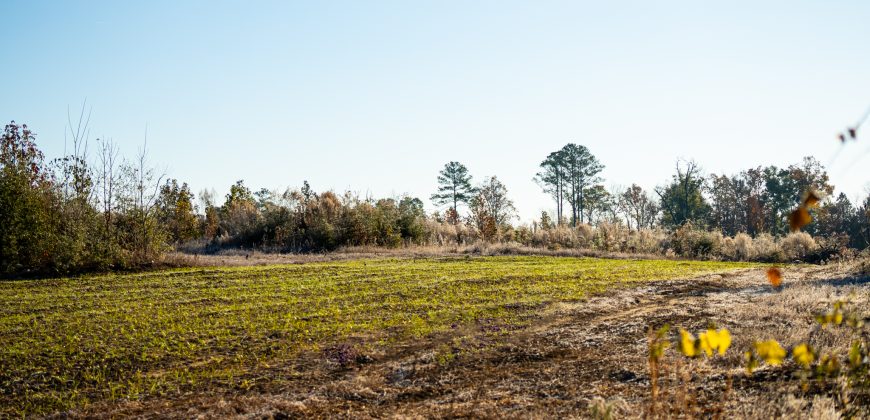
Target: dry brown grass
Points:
(237, 257)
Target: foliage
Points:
(51, 222)
(798, 245)
(638, 207)
(849, 371)
(491, 209)
(177, 213)
(571, 174)
(553, 180)
(696, 243)
(707, 343)
(26, 202)
(72, 215)
(683, 201)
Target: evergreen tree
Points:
(454, 186)
(581, 169)
(552, 180)
(568, 174)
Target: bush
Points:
(831, 248)
(739, 248)
(50, 223)
(610, 237)
(766, 249)
(647, 241)
(744, 247)
(693, 243)
(798, 245)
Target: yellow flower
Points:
(770, 351)
(803, 355)
(688, 345)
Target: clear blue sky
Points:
(376, 96)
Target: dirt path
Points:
(575, 359)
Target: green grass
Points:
(65, 343)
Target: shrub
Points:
(766, 249)
(610, 237)
(693, 243)
(584, 235)
(798, 245)
(739, 248)
(647, 241)
(744, 248)
(833, 247)
(729, 249)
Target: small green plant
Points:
(658, 343)
(851, 372)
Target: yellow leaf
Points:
(713, 340)
(770, 351)
(803, 355)
(723, 341)
(688, 346)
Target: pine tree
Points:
(454, 186)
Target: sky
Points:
(376, 96)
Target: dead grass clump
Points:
(862, 265)
(646, 241)
(690, 242)
(739, 248)
(743, 247)
(797, 245)
(585, 234)
(729, 250)
(610, 237)
(613, 408)
(559, 237)
(504, 248)
(497, 248)
(443, 233)
(819, 408)
(766, 248)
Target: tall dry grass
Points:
(604, 239)
(688, 242)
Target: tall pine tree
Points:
(454, 187)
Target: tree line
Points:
(754, 201)
(83, 212)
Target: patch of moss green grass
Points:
(66, 343)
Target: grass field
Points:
(67, 343)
